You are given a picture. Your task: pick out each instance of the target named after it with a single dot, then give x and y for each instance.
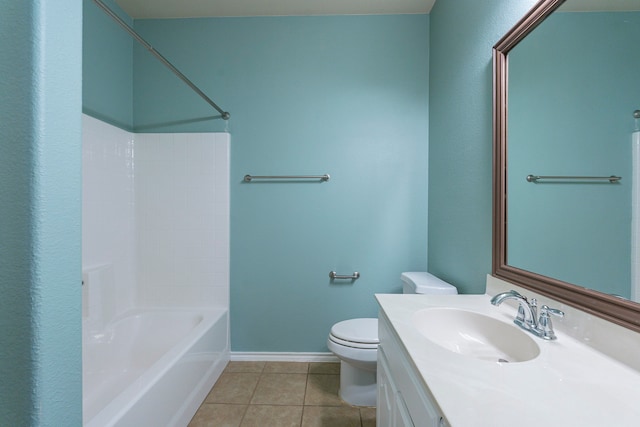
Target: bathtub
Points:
(152, 367)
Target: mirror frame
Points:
(617, 310)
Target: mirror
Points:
(564, 88)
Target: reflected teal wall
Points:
(107, 66)
(573, 87)
(342, 95)
(40, 311)
(463, 33)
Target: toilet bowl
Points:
(355, 343)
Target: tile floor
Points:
(280, 394)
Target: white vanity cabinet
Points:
(420, 381)
(403, 401)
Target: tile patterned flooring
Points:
(280, 394)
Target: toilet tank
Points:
(421, 282)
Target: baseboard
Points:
(245, 356)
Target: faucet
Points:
(528, 312)
(526, 317)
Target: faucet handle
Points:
(548, 310)
(533, 305)
(545, 327)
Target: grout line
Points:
(247, 410)
(253, 394)
(306, 386)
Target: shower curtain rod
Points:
(223, 114)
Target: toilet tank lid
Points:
(426, 283)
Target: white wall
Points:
(155, 218)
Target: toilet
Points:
(355, 342)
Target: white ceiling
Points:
(141, 9)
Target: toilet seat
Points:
(364, 358)
(352, 344)
(356, 333)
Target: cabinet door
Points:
(402, 417)
(402, 400)
(386, 391)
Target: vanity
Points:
(426, 378)
(459, 360)
(403, 398)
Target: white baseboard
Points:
(242, 356)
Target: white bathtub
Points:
(152, 367)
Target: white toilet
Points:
(355, 342)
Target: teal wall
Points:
(107, 66)
(344, 95)
(463, 33)
(40, 185)
(315, 95)
(573, 86)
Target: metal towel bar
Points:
(333, 275)
(612, 179)
(325, 177)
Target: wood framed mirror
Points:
(621, 311)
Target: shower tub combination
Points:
(149, 367)
(152, 367)
(155, 287)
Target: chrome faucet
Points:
(527, 317)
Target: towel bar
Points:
(325, 177)
(611, 179)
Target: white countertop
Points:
(567, 384)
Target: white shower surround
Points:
(182, 219)
(156, 208)
(155, 235)
(108, 215)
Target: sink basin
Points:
(475, 335)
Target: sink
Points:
(475, 335)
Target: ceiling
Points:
(143, 9)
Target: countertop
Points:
(567, 384)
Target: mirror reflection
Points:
(573, 88)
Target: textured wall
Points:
(343, 95)
(463, 33)
(40, 101)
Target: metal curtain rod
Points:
(612, 179)
(224, 114)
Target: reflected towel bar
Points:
(333, 275)
(612, 179)
(325, 177)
